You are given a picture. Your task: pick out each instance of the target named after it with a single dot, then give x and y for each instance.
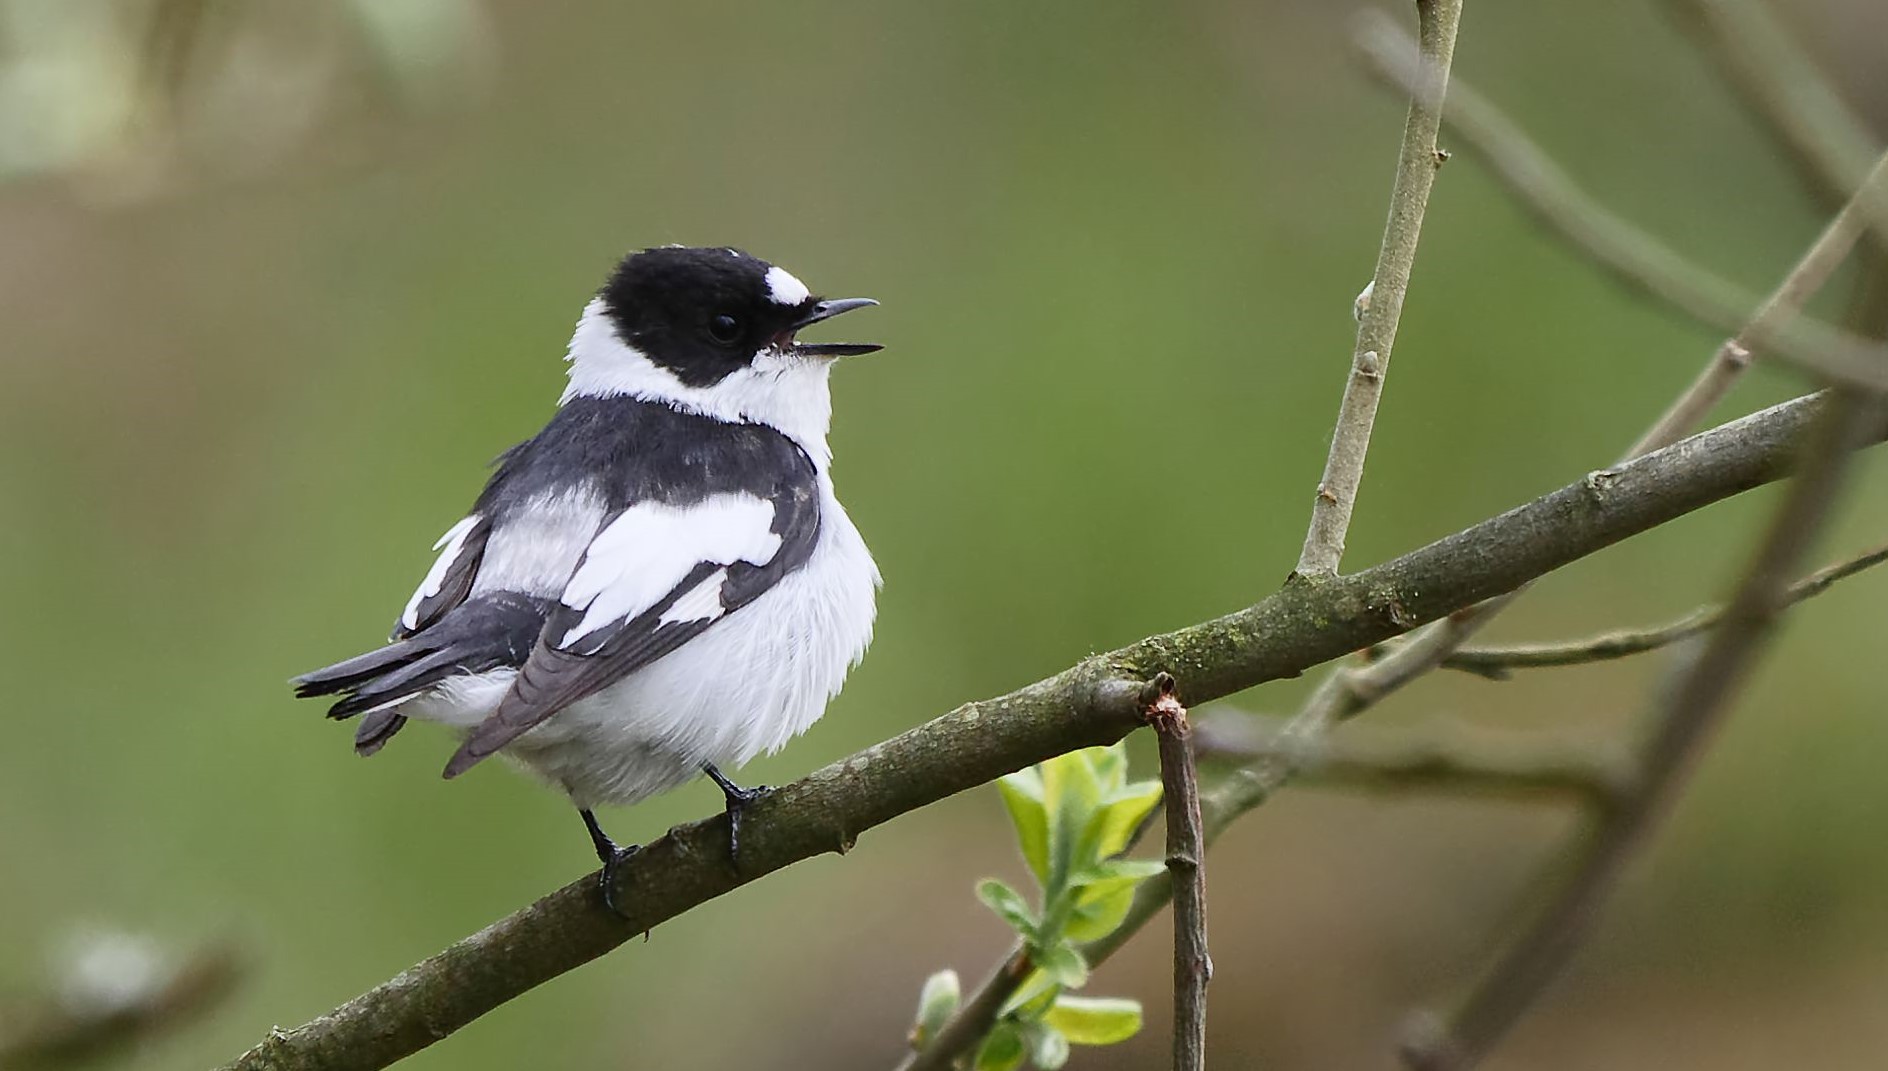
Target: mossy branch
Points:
(1093, 702)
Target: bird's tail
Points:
(369, 683)
(484, 634)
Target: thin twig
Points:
(1682, 723)
(1733, 356)
(1633, 256)
(974, 1020)
(1416, 167)
(1349, 690)
(1496, 662)
(1402, 762)
(1759, 57)
(1186, 869)
(75, 1032)
(1090, 703)
(1295, 748)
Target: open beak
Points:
(826, 310)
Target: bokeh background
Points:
(272, 299)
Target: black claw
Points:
(606, 881)
(613, 856)
(737, 799)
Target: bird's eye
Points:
(724, 328)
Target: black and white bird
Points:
(661, 581)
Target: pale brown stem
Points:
(1378, 317)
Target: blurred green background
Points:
(255, 362)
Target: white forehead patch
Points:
(784, 289)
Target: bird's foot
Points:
(612, 856)
(606, 881)
(737, 800)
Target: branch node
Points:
(1599, 480)
(1161, 708)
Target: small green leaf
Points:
(1009, 905)
(1095, 1020)
(1048, 1049)
(1032, 998)
(1063, 965)
(1111, 766)
(1022, 795)
(937, 1001)
(1103, 896)
(1002, 1050)
(1099, 910)
(1071, 792)
(1122, 815)
(1114, 871)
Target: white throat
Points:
(785, 392)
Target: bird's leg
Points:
(612, 856)
(737, 800)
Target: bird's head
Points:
(712, 329)
(705, 314)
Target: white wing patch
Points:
(454, 542)
(784, 289)
(650, 548)
(700, 603)
(540, 543)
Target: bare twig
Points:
(1727, 365)
(1832, 149)
(1378, 315)
(1303, 740)
(1090, 703)
(1349, 690)
(1292, 750)
(1401, 762)
(1780, 82)
(1633, 256)
(1682, 724)
(138, 1000)
(1496, 662)
(1186, 869)
(974, 1020)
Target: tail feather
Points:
(403, 680)
(354, 672)
(376, 729)
(484, 634)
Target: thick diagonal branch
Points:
(1093, 702)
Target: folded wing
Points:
(655, 576)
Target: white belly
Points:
(747, 685)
